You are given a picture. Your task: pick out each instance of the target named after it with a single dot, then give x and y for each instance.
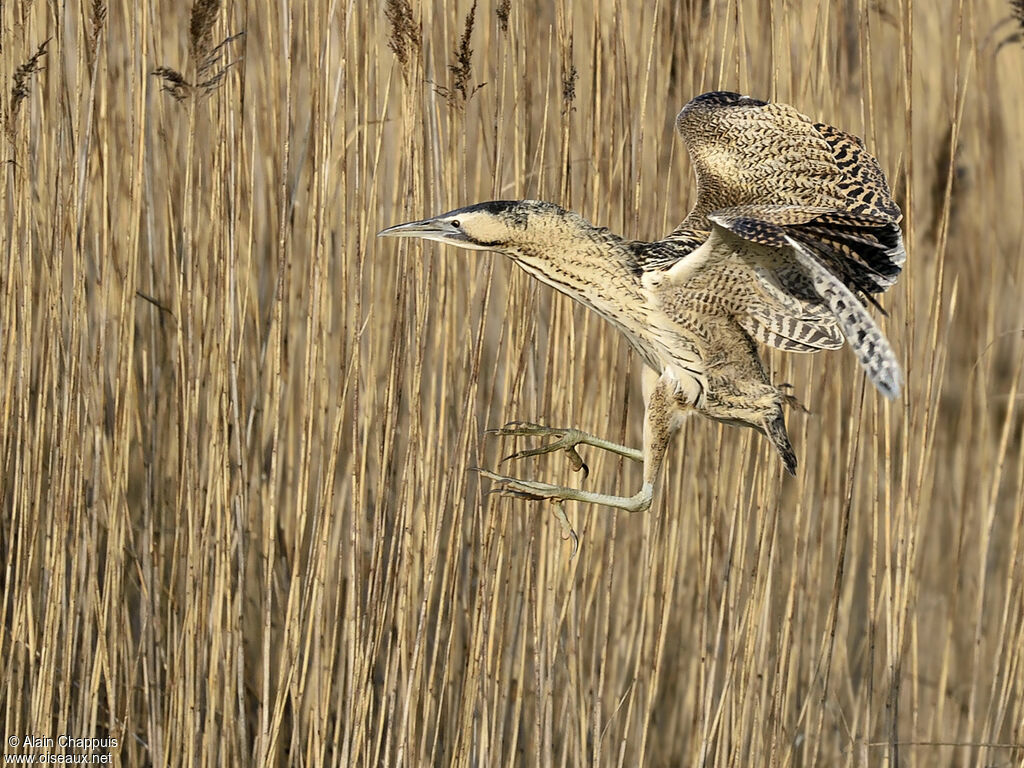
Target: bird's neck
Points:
(592, 265)
(599, 270)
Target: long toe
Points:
(566, 438)
(535, 491)
(524, 429)
(531, 489)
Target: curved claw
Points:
(578, 464)
(567, 528)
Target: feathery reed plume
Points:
(1016, 15)
(569, 77)
(502, 11)
(405, 37)
(1017, 11)
(207, 58)
(97, 17)
(174, 82)
(208, 75)
(20, 89)
(200, 28)
(462, 69)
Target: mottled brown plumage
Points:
(793, 230)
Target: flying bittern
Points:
(793, 231)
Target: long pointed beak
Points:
(426, 228)
(439, 228)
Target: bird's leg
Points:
(661, 421)
(566, 440)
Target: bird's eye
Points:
(455, 223)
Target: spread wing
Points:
(800, 217)
(751, 152)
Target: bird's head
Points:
(499, 225)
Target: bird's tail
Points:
(873, 350)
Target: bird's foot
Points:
(536, 491)
(565, 439)
(791, 400)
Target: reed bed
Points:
(237, 432)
